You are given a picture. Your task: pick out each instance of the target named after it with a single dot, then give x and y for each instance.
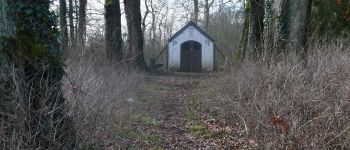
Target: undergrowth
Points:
(284, 105)
(100, 95)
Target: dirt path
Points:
(165, 119)
(171, 116)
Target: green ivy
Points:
(284, 24)
(268, 15)
(109, 2)
(327, 18)
(36, 40)
(34, 48)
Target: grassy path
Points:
(164, 117)
(167, 95)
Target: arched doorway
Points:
(191, 57)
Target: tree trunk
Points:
(76, 10)
(295, 24)
(207, 6)
(299, 27)
(33, 50)
(195, 11)
(7, 27)
(271, 29)
(82, 22)
(145, 17)
(242, 52)
(206, 14)
(71, 23)
(135, 37)
(153, 33)
(63, 24)
(258, 12)
(284, 26)
(221, 4)
(114, 41)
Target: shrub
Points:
(283, 105)
(97, 91)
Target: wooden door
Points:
(191, 57)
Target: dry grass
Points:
(280, 106)
(284, 106)
(31, 113)
(98, 93)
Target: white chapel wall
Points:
(191, 33)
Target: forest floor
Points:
(164, 115)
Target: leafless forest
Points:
(92, 74)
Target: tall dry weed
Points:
(291, 106)
(97, 91)
(32, 115)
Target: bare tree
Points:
(76, 10)
(145, 17)
(114, 41)
(222, 4)
(135, 36)
(158, 10)
(258, 12)
(153, 23)
(82, 22)
(63, 24)
(158, 16)
(195, 11)
(207, 6)
(71, 23)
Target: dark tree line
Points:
(113, 33)
(77, 22)
(294, 27)
(277, 28)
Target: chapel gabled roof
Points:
(191, 23)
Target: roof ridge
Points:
(191, 23)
